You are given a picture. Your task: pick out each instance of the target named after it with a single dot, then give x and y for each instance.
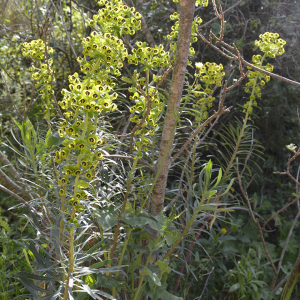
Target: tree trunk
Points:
(187, 8)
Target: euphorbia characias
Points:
(91, 96)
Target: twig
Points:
(225, 11)
(235, 57)
(210, 272)
(256, 222)
(16, 196)
(246, 209)
(9, 166)
(279, 211)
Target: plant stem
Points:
(147, 262)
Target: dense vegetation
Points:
(148, 149)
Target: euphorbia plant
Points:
(111, 239)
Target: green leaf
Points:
(126, 79)
(229, 186)
(137, 263)
(172, 237)
(18, 124)
(4, 225)
(106, 219)
(234, 287)
(219, 177)
(211, 193)
(54, 139)
(83, 184)
(164, 266)
(108, 282)
(167, 296)
(101, 263)
(91, 250)
(143, 219)
(90, 280)
(152, 275)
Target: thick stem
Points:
(187, 8)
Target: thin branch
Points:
(285, 246)
(14, 187)
(9, 75)
(235, 57)
(279, 211)
(225, 11)
(265, 247)
(246, 209)
(256, 222)
(210, 272)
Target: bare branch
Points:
(225, 11)
(235, 57)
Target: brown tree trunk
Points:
(187, 8)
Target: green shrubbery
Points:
(102, 232)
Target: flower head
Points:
(198, 65)
(223, 230)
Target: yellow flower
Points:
(223, 230)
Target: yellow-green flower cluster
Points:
(174, 33)
(257, 78)
(87, 96)
(41, 71)
(35, 49)
(211, 74)
(271, 44)
(116, 18)
(141, 105)
(91, 96)
(150, 58)
(107, 50)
